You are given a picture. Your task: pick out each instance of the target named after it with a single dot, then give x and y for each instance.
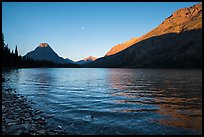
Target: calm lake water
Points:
(114, 101)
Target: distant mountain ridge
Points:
(176, 42)
(46, 53)
(86, 60)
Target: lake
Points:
(114, 101)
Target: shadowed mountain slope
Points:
(175, 43)
(46, 53)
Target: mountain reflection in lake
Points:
(115, 101)
(176, 92)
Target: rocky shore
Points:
(19, 118)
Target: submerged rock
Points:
(89, 118)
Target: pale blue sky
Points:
(80, 29)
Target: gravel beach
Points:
(19, 118)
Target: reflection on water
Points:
(115, 101)
(43, 80)
(189, 118)
(177, 93)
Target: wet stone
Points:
(42, 131)
(18, 132)
(19, 118)
(51, 133)
(26, 126)
(27, 132)
(43, 118)
(33, 129)
(40, 122)
(8, 120)
(13, 129)
(38, 112)
(60, 127)
(18, 109)
(10, 116)
(13, 123)
(36, 117)
(27, 119)
(56, 130)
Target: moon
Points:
(82, 28)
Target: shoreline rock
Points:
(19, 118)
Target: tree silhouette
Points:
(3, 44)
(16, 51)
(11, 59)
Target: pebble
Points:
(33, 129)
(42, 131)
(50, 133)
(18, 109)
(13, 129)
(18, 132)
(27, 119)
(36, 118)
(10, 124)
(38, 112)
(27, 126)
(19, 118)
(60, 127)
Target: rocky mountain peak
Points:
(177, 21)
(90, 58)
(181, 20)
(86, 60)
(43, 45)
(46, 53)
(175, 43)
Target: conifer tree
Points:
(16, 51)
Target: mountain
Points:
(45, 52)
(86, 60)
(69, 61)
(121, 47)
(175, 43)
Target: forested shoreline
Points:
(12, 59)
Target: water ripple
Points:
(115, 101)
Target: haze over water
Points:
(114, 101)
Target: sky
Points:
(76, 30)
